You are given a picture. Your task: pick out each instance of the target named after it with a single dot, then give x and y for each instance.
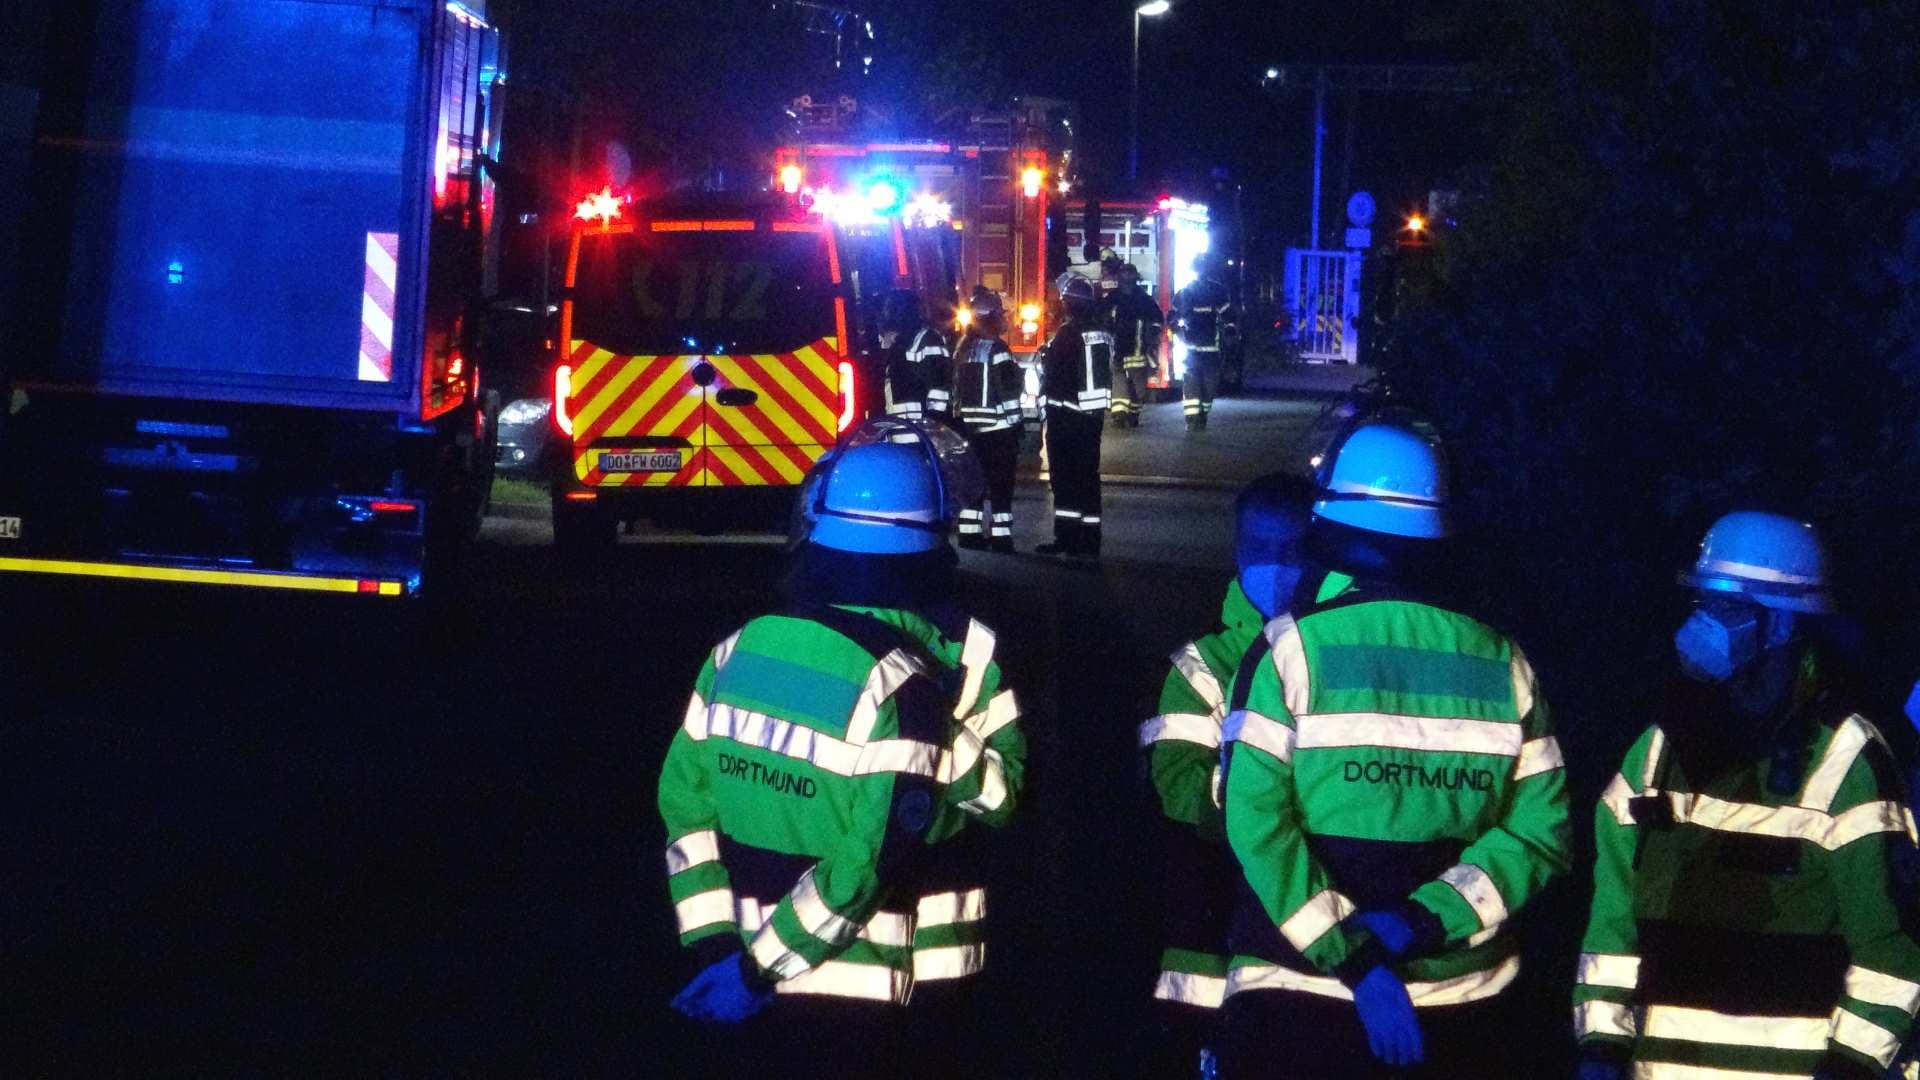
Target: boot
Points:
(1001, 544)
(973, 541)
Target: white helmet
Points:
(1772, 559)
(892, 487)
(1386, 478)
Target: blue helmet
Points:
(891, 488)
(1386, 478)
(1771, 559)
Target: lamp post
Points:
(1149, 10)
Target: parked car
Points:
(525, 434)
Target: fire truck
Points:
(992, 185)
(241, 251)
(1160, 238)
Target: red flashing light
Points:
(1165, 202)
(562, 392)
(847, 397)
(582, 496)
(790, 178)
(368, 586)
(391, 506)
(456, 364)
(602, 206)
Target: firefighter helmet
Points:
(1771, 559)
(989, 312)
(1077, 293)
(1386, 478)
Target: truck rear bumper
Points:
(191, 575)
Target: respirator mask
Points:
(1721, 637)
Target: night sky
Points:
(712, 75)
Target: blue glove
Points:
(720, 993)
(1393, 1031)
(1391, 930)
(1596, 1069)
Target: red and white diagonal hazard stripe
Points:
(376, 307)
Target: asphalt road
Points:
(252, 837)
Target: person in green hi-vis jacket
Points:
(824, 794)
(1747, 917)
(1182, 747)
(1393, 793)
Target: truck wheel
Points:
(582, 528)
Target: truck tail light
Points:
(562, 391)
(847, 395)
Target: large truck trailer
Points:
(242, 249)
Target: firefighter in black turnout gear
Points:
(1202, 312)
(918, 369)
(986, 390)
(1076, 374)
(1137, 323)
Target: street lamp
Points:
(1149, 10)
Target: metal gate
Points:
(1322, 297)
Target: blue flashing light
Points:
(883, 196)
(176, 272)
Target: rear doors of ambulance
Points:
(702, 353)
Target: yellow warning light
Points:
(1032, 180)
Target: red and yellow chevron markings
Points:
(772, 441)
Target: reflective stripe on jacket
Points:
(820, 760)
(1136, 322)
(918, 375)
(986, 384)
(1077, 368)
(1203, 310)
(1737, 928)
(982, 772)
(1379, 751)
(1182, 744)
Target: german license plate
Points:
(668, 461)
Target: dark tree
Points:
(1688, 281)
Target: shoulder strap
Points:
(1256, 655)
